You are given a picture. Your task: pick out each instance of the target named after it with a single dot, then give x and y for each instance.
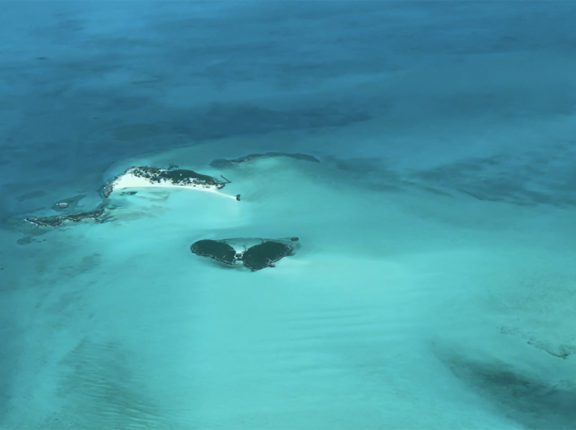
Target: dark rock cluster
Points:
(255, 254)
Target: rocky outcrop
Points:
(254, 254)
(222, 163)
(96, 215)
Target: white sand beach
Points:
(128, 180)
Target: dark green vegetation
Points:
(172, 175)
(264, 254)
(176, 176)
(215, 249)
(223, 163)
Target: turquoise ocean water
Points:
(435, 284)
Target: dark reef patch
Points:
(31, 195)
(26, 240)
(529, 180)
(371, 172)
(561, 351)
(255, 254)
(224, 163)
(533, 401)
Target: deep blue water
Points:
(87, 83)
(470, 99)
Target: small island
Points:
(132, 178)
(149, 177)
(254, 254)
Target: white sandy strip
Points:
(129, 180)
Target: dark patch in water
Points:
(79, 267)
(223, 163)
(26, 240)
(562, 351)
(372, 173)
(101, 389)
(221, 121)
(31, 195)
(524, 181)
(529, 399)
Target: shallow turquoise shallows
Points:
(422, 153)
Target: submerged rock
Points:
(255, 254)
(26, 240)
(146, 176)
(223, 163)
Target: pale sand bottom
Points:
(391, 296)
